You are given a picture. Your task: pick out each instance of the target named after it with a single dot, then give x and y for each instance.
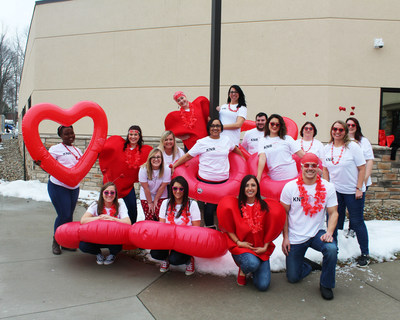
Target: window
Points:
(390, 110)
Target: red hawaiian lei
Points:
(320, 195)
(77, 157)
(188, 117)
(229, 107)
(132, 158)
(253, 216)
(113, 211)
(312, 141)
(340, 156)
(185, 215)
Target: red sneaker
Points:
(164, 266)
(241, 280)
(190, 267)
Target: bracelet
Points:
(237, 241)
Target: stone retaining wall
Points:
(385, 190)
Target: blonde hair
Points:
(346, 138)
(149, 167)
(161, 145)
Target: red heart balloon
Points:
(317, 115)
(353, 107)
(304, 113)
(113, 165)
(66, 117)
(195, 131)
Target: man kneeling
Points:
(305, 200)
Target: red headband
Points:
(309, 157)
(178, 94)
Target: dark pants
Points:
(94, 248)
(174, 258)
(64, 201)
(131, 204)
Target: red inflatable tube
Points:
(269, 188)
(190, 240)
(212, 193)
(67, 235)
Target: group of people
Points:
(346, 163)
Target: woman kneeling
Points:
(178, 210)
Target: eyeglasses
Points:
(232, 92)
(156, 157)
(308, 128)
(109, 193)
(351, 125)
(178, 188)
(310, 165)
(275, 124)
(337, 129)
(215, 126)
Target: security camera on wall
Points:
(378, 43)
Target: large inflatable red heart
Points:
(113, 165)
(46, 111)
(195, 129)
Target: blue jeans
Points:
(356, 217)
(64, 201)
(175, 258)
(261, 270)
(131, 204)
(94, 248)
(297, 269)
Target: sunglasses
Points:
(308, 129)
(275, 124)
(109, 193)
(178, 188)
(310, 165)
(337, 129)
(351, 125)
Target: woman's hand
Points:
(359, 194)
(261, 250)
(245, 244)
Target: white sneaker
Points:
(99, 259)
(164, 266)
(350, 233)
(109, 260)
(190, 267)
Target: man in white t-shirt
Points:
(305, 200)
(251, 137)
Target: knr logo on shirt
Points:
(268, 146)
(328, 159)
(297, 199)
(254, 139)
(210, 149)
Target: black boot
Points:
(56, 247)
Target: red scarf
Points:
(188, 117)
(184, 216)
(113, 211)
(320, 195)
(253, 216)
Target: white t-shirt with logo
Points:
(279, 153)
(344, 175)
(314, 146)
(168, 158)
(194, 210)
(155, 182)
(227, 116)
(302, 227)
(213, 157)
(122, 209)
(250, 140)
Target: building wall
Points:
(289, 57)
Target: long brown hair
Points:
(282, 126)
(185, 199)
(242, 194)
(100, 202)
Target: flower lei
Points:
(188, 118)
(132, 158)
(229, 107)
(253, 216)
(312, 141)
(113, 211)
(185, 215)
(320, 195)
(340, 155)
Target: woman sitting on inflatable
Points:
(245, 223)
(108, 208)
(276, 149)
(178, 210)
(213, 152)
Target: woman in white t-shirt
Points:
(108, 208)
(63, 197)
(307, 142)
(171, 152)
(179, 210)
(233, 114)
(154, 178)
(213, 152)
(344, 166)
(276, 150)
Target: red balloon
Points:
(112, 161)
(197, 130)
(46, 111)
(67, 235)
(212, 193)
(248, 125)
(194, 241)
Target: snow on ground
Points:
(384, 236)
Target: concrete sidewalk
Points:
(35, 284)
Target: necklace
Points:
(171, 215)
(312, 141)
(188, 118)
(77, 157)
(320, 194)
(229, 107)
(340, 156)
(132, 158)
(113, 211)
(253, 216)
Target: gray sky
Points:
(15, 15)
